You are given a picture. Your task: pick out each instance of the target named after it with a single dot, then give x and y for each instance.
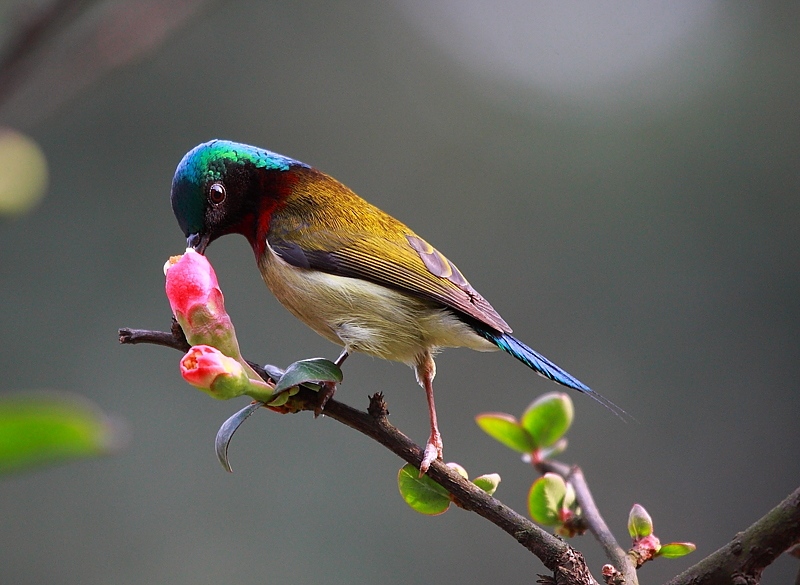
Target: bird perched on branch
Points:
(351, 272)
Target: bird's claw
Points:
(433, 450)
(326, 392)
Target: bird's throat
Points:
(281, 187)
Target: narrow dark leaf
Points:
(228, 428)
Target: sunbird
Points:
(354, 274)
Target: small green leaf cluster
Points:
(539, 433)
(646, 545)
(551, 502)
(426, 496)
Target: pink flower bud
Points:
(197, 303)
(214, 363)
(222, 377)
(192, 283)
(209, 369)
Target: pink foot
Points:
(433, 450)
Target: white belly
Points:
(367, 317)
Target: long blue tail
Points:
(544, 367)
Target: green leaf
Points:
(548, 418)
(422, 493)
(311, 370)
(283, 397)
(280, 400)
(488, 482)
(545, 499)
(40, 428)
(506, 429)
(640, 524)
(675, 550)
(458, 469)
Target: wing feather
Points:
(324, 226)
(406, 262)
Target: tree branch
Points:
(745, 557)
(67, 45)
(30, 38)
(751, 551)
(566, 563)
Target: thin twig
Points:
(555, 554)
(29, 39)
(594, 520)
(69, 44)
(176, 340)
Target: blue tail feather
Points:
(544, 367)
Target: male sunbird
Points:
(351, 272)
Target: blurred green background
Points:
(620, 180)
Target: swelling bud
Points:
(220, 376)
(210, 370)
(214, 363)
(198, 304)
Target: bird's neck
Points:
(294, 200)
(276, 190)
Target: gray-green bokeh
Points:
(650, 248)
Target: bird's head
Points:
(222, 187)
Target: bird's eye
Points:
(216, 193)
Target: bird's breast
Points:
(364, 316)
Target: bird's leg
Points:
(328, 389)
(426, 371)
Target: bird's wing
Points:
(402, 261)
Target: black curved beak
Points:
(198, 242)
